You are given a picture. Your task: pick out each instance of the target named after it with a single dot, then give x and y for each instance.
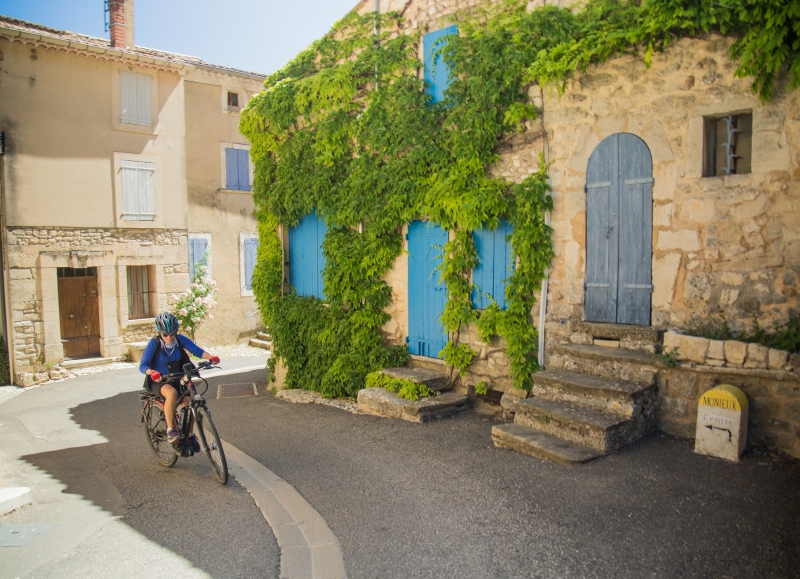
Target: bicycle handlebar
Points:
(187, 369)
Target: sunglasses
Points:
(169, 335)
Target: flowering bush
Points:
(193, 306)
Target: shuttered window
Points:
(437, 71)
(197, 249)
(138, 194)
(134, 97)
(140, 292)
(250, 247)
(237, 169)
(306, 261)
(496, 264)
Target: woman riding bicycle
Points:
(166, 354)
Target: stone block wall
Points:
(35, 253)
(774, 397)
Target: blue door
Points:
(426, 294)
(306, 261)
(619, 225)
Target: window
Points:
(495, 265)
(138, 192)
(437, 71)
(233, 100)
(199, 244)
(237, 169)
(134, 98)
(248, 248)
(727, 145)
(76, 272)
(306, 261)
(140, 292)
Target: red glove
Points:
(155, 376)
(215, 360)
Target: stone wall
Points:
(35, 253)
(774, 397)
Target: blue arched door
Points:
(619, 230)
(426, 294)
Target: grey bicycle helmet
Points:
(166, 323)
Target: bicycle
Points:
(155, 424)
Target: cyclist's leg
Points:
(170, 404)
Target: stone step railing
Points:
(729, 353)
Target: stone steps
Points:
(263, 336)
(259, 343)
(626, 337)
(86, 363)
(599, 431)
(620, 397)
(541, 445)
(592, 400)
(381, 402)
(432, 379)
(611, 363)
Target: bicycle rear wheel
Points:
(211, 445)
(155, 430)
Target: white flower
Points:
(204, 269)
(210, 317)
(182, 311)
(198, 301)
(213, 283)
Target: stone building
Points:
(654, 227)
(116, 168)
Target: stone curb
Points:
(308, 547)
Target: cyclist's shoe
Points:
(173, 435)
(194, 442)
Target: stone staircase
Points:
(262, 341)
(597, 395)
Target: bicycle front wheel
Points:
(211, 444)
(155, 430)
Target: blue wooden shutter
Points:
(197, 247)
(250, 246)
(231, 169)
(437, 71)
(243, 169)
(306, 261)
(495, 265)
(427, 295)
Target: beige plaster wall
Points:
(215, 211)
(60, 116)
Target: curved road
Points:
(434, 500)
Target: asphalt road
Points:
(438, 500)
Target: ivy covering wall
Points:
(347, 129)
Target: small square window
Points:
(233, 100)
(140, 292)
(727, 144)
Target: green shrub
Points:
(403, 388)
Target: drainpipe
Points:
(543, 304)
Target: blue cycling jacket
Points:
(160, 364)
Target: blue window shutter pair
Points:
(197, 248)
(306, 261)
(250, 247)
(437, 71)
(237, 169)
(495, 265)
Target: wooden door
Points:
(426, 294)
(80, 317)
(619, 225)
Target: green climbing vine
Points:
(346, 129)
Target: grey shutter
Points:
(244, 169)
(635, 231)
(197, 248)
(127, 97)
(135, 98)
(250, 246)
(138, 191)
(602, 232)
(231, 169)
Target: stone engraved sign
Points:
(722, 423)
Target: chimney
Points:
(120, 17)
